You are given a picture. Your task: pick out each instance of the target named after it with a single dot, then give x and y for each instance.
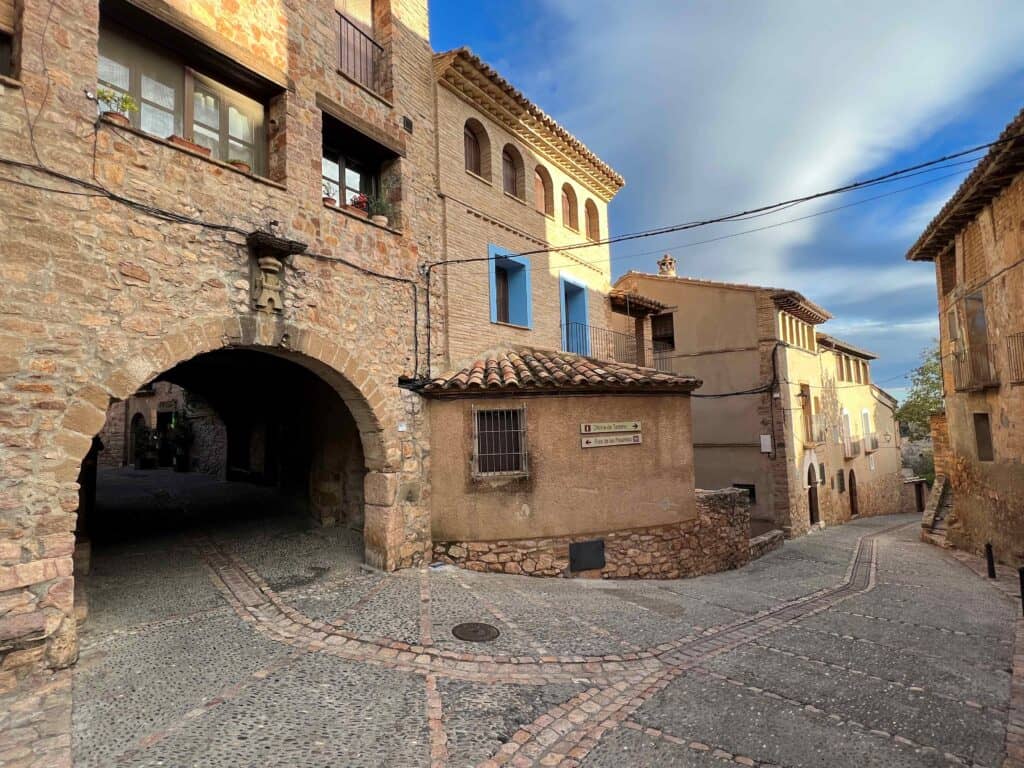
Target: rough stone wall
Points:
(765, 543)
(987, 495)
(114, 453)
(941, 452)
(100, 297)
(717, 540)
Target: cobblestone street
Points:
(267, 644)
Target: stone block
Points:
(381, 488)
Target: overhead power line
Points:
(751, 212)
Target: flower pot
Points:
(381, 220)
(181, 141)
(118, 119)
(331, 202)
(241, 165)
(356, 210)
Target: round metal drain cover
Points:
(475, 632)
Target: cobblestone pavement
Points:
(265, 643)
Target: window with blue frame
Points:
(510, 288)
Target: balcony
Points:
(361, 56)
(871, 442)
(851, 448)
(606, 344)
(1015, 357)
(973, 369)
(819, 428)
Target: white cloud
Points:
(713, 106)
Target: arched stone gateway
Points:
(396, 529)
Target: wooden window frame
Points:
(189, 75)
(471, 140)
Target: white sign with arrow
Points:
(598, 427)
(603, 440)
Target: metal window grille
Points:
(499, 442)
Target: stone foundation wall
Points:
(765, 543)
(716, 541)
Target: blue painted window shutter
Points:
(510, 288)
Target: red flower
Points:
(359, 201)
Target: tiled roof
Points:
(791, 301)
(531, 119)
(633, 304)
(535, 370)
(834, 343)
(993, 173)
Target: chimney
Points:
(667, 265)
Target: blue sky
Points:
(712, 107)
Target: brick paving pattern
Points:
(855, 646)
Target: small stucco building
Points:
(786, 412)
(975, 243)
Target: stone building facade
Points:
(801, 427)
(244, 200)
(137, 431)
(133, 248)
(975, 243)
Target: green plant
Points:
(328, 192)
(925, 395)
(111, 101)
(379, 203)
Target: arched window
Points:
(593, 224)
(543, 194)
(478, 148)
(512, 172)
(570, 215)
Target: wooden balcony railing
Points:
(1015, 357)
(361, 56)
(606, 344)
(973, 369)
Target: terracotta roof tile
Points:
(536, 370)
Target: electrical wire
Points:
(752, 212)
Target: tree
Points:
(925, 395)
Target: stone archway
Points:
(390, 539)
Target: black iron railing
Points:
(606, 344)
(1015, 357)
(973, 368)
(361, 56)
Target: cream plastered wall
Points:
(570, 489)
(478, 212)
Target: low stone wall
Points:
(716, 541)
(765, 543)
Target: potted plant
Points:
(241, 165)
(379, 206)
(188, 144)
(180, 436)
(116, 107)
(358, 204)
(329, 198)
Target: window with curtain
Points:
(175, 99)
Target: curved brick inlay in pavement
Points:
(581, 709)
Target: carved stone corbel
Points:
(268, 254)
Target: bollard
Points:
(1020, 574)
(991, 560)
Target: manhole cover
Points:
(475, 632)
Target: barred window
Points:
(499, 442)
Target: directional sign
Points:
(601, 441)
(610, 426)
